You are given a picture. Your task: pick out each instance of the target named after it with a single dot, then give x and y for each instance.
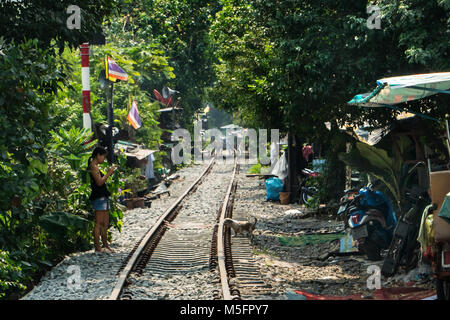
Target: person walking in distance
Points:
(100, 197)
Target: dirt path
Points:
(300, 250)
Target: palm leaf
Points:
(57, 223)
(375, 162)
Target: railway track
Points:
(143, 250)
(179, 246)
(239, 276)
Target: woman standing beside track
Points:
(100, 197)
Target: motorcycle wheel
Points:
(307, 194)
(412, 257)
(443, 289)
(392, 260)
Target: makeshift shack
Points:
(425, 143)
(136, 154)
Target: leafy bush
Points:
(255, 168)
(10, 275)
(77, 216)
(60, 217)
(115, 185)
(30, 78)
(134, 182)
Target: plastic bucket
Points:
(135, 203)
(139, 203)
(284, 197)
(129, 203)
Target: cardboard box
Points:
(440, 186)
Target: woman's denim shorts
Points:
(101, 203)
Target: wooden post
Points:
(348, 170)
(86, 91)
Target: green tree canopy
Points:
(46, 20)
(308, 58)
(181, 28)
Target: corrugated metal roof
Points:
(133, 150)
(140, 153)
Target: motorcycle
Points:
(306, 193)
(344, 202)
(371, 219)
(404, 248)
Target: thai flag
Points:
(114, 72)
(133, 116)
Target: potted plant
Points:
(135, 183)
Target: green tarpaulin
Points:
(295, 241)
(394, 90)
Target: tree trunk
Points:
(292, 182)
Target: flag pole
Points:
(109, 135)
(113, 73)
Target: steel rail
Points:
(115, 293)
(220, 241)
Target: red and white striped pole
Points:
(87, 122)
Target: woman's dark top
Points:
(98, 191)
